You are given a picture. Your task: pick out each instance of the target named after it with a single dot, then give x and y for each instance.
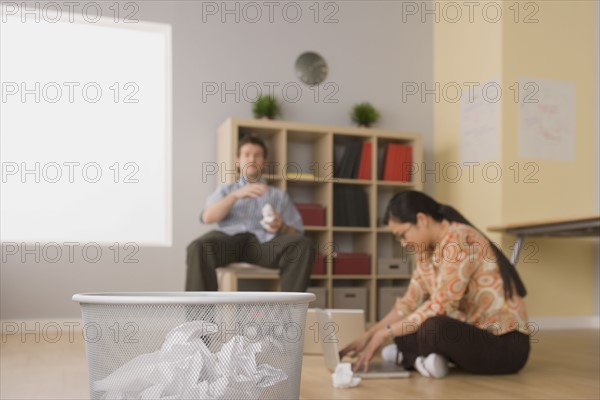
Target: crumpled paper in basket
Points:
(184, 368)
(343, 377)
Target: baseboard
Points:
(566, 322)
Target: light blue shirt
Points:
(246, 213)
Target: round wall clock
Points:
(311, 68)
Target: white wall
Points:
(370, 52)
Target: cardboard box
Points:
(312, 214)
(349, 324)
(351, 264)
(386, 297)
(351, 298)
(393, 266)
(321, 293)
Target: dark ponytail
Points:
(404, 207)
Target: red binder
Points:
(392, 171)
(364, 169)
(405, 163)
(398, 162)
(390, 156)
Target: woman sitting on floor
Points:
(464, 303)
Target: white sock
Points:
(420, 366)
(433, 366)
(391, 355)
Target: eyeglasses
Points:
(400, 237)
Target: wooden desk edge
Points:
(506, 228)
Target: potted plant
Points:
(364, 114)
(266, 107)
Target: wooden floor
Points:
(562, 365)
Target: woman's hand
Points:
(369, 351)
(356, 346)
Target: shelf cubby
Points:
(302, 160)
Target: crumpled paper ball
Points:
(343, 377)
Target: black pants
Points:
(472, 349)
(293, 255)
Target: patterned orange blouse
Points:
(461, 279)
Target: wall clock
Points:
(311, 68)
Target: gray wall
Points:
(370, 52)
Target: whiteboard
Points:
(546, 119)
(480, 124)
(85, 131)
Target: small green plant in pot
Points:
(266, 107)
(364, 114)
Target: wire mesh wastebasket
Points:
(194, 345)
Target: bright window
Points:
(85, 130)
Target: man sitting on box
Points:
(257, 224)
